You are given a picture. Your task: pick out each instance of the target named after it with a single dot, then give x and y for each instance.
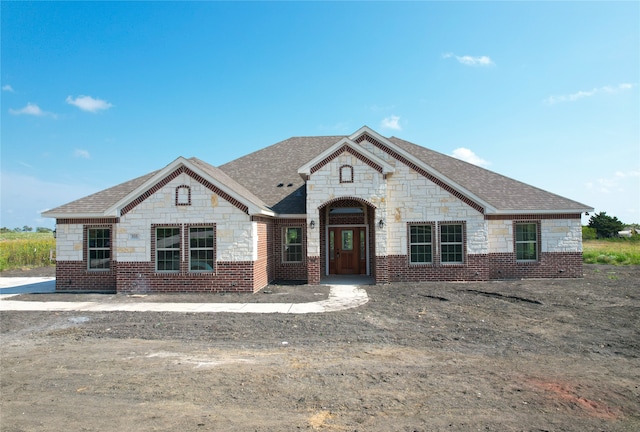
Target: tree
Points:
(27, 228)
(605, 225)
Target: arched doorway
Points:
(347, 245)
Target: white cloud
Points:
(470, 60)
(391, 122)
(469, 156)
(31, 109)
(7, 88)
(617, 183)
(84, 154)
(581, 94)
(87, 103)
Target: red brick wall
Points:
(74, 276)
(313, 277)
(289, 271)
(550, 265)
(485, 267)
(140, 277)
(400, 270)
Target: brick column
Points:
(313, 270)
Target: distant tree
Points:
(4, 230)
(589, 233)
(27, 228)
(17, 229)
(605, 225)
(43, 230)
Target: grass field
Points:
(25, 249)
(612, 251)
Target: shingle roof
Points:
(269, 179)
(272, 173)
(223, 178)
(100, 202)
(503, 193)
(263, 171)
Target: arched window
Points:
(183, 195)
(346, 174)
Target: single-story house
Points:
(310, 207)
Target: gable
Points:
(121, 199)
(345, 145)
(178, 171)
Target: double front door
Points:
(347, 250)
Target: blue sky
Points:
(97, 93)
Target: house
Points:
(309, 207)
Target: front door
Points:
(347, 250)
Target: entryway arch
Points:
(347, 237)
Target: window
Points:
(346, 174)
(292, 251)
(451, 244)
(526, 241)
(99, 248)
(420, 244)
(168, 249)
(183, 195)
(201, 249)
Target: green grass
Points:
(612, 251)
(24, 250)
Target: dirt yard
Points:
(535, 355)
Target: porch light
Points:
(381, 223)
(312, 224)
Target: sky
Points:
(98, 93)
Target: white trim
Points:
(519, 212)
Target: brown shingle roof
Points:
(100, 202)
(269, 179)
(503, 193)
(272, 173)
(269, 172)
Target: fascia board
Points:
(76, 215)
(292, 216)
(533, 211)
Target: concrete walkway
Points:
(340, 297)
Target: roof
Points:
(97, 204)
(110, 201)
(269, 180)
(272, 173)
(503, 193)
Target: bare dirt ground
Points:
(533, 355)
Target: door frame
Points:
(367, 246)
